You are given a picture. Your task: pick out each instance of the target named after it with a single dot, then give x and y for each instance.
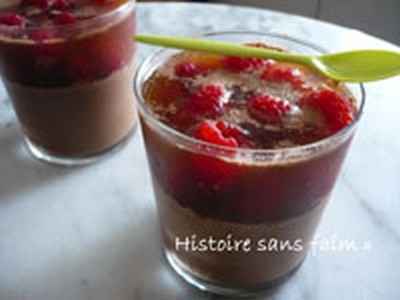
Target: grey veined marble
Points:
(92, 233)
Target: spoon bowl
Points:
(359, 65)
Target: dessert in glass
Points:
(68, 67)
(244, 154)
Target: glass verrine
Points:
(70, 84)
(274, 197)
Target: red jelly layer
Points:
(61, 46)
(241, 193)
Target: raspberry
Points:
(11, 19)
(206, 101)
(336, 109)
(241, 64)
(64, 18)
(279, 73)
(267, 108)
(209, 131)
(236, 132)
(211, 172)
(188, 70)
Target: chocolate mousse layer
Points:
(78, 120)
(275, 248)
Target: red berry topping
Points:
(64, 18)
(337, 109)
(240, 64)
(12, 19)
(206, 101)
(236, 132)
(209, 131)
(209, 171)
(281, 74)
(267, 108)
(188, 70)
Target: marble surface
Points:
(92, 232)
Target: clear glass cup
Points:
(280, 195)
(71, 85)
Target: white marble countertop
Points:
(92, 232)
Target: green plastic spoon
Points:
(351, 66)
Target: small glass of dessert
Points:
(244, 154)
(68, 67)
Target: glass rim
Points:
(77, 25)
(150, 116)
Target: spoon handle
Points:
(223, 48)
